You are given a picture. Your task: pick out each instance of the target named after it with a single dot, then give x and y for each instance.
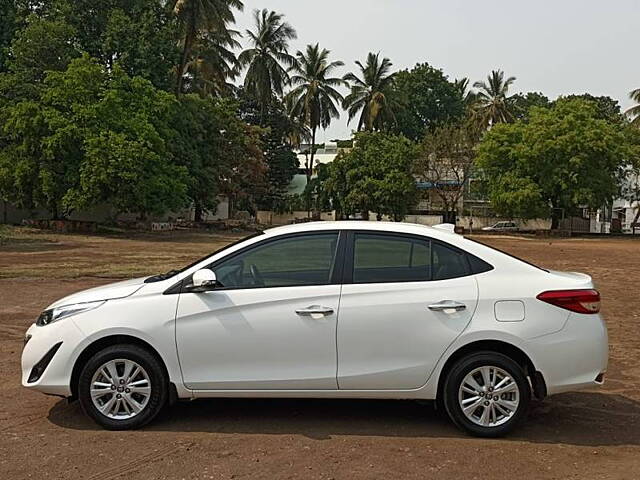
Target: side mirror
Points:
(203, 280)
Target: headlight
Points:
(58, 313)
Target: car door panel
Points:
(253, 338)
(389, 339)
(255, 330)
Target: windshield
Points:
(172, 273)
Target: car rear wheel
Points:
(122, 387)
(486, 394)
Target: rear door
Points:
(404, 301)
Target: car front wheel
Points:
(122, 387)
(486, 394)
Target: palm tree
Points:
(314, 96)
(198, 17)
(492, 102)
(265, 58)
(468, 96)
(634, 111)
(370, 93)
(214, 63)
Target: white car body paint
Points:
(380, 341)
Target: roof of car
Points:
(360, 225)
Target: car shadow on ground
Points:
(593, 419)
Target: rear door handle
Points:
(315, 309)
(447, 305)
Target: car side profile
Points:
(328, 310)
(502, 227)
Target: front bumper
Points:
(575, 357)
(55, 378)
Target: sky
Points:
(554, 47)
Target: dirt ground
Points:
(587, 435)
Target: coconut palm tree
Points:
(370, 93)
(214, 64)
(198, 17)
(267, 57)
(492, 103)
(634, 112)
(314, 96)
(468, 95)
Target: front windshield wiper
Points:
(161, 276)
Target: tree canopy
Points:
(563, 158)
(376, 175)
(427, 99)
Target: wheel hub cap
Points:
(488, 396)
(120, 389)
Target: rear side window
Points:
(384, 258)
(448, 263)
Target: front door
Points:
(406, 299)
(271, 324)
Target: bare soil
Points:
(587, 435)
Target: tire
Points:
(490, 413)
(130, 373)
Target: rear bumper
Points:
(574, 358)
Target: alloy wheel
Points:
(120, 389)
(489, 396)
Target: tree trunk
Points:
(197, 212)
(189, 36)
(313, 151)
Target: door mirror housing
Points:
(203, 280)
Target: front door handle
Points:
(447, 305)
(315, 310)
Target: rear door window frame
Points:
(349, 255)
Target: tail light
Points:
(579, 301)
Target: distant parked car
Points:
(328, 310)
(502, 227)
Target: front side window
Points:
(292, 261)
(385, 258)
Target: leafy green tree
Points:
(492, 104)
(7, 28)
(563, 158)
(521, 103)
(314, 96)
(198, 17)
(427, 99)
(607, 108)
(268, 57)
(370, 93)
(140, 35)
(376, 175)
(281, 161)
(91, 136)
(42, 45)
(213, 142)
(634, 111)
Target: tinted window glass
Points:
(448, 263)
(385, 258)
(478, 265)
(300, 260)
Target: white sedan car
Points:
(328, 310)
